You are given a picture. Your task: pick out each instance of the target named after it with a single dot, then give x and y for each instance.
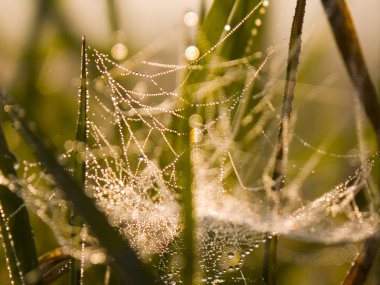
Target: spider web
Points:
(133, 174)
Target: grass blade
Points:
(16, 231)
(124, 260)
(81, 131)
(359, 271)
(209, 33)
(80, 166)
(270, 255)
(347, 41)
(349, 47)
(113, 15)
(53, 265)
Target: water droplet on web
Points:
(195, 121)
(119, 51)
(8, 108)
(227, 28)
(258, 22)
(191, 19)
(192, 53)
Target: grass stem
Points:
(270, 254)
(358, 273)
(80, 166)
(347, 40)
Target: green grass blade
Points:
(211, 31)
(80, 166)
(270, 255)
(270, 259)
(81, 131)
(123, 258)
(16, 231)
(113, 15)
(235, 46)
(209, 34)
(202, 11)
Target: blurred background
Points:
(40, 65)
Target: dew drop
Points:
(191, 19)
(258, 22)
(230, 255)
(195, 121)
(192, 53)
(119, 51)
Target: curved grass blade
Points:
(270, 254)
(123, 259)
(16, 232)
(53, 265)
(348, 43)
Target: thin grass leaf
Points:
(209, 34)
(16, 231)
(53, 265)
(291, 77)
(270, 255)
(80, 166)
(347, 40)
(237, 43)
(123, 258)
(81, 131)
(113, 15)
(202, 11)
(359, 271)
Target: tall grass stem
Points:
(270, 254)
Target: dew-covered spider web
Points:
(135, 145)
